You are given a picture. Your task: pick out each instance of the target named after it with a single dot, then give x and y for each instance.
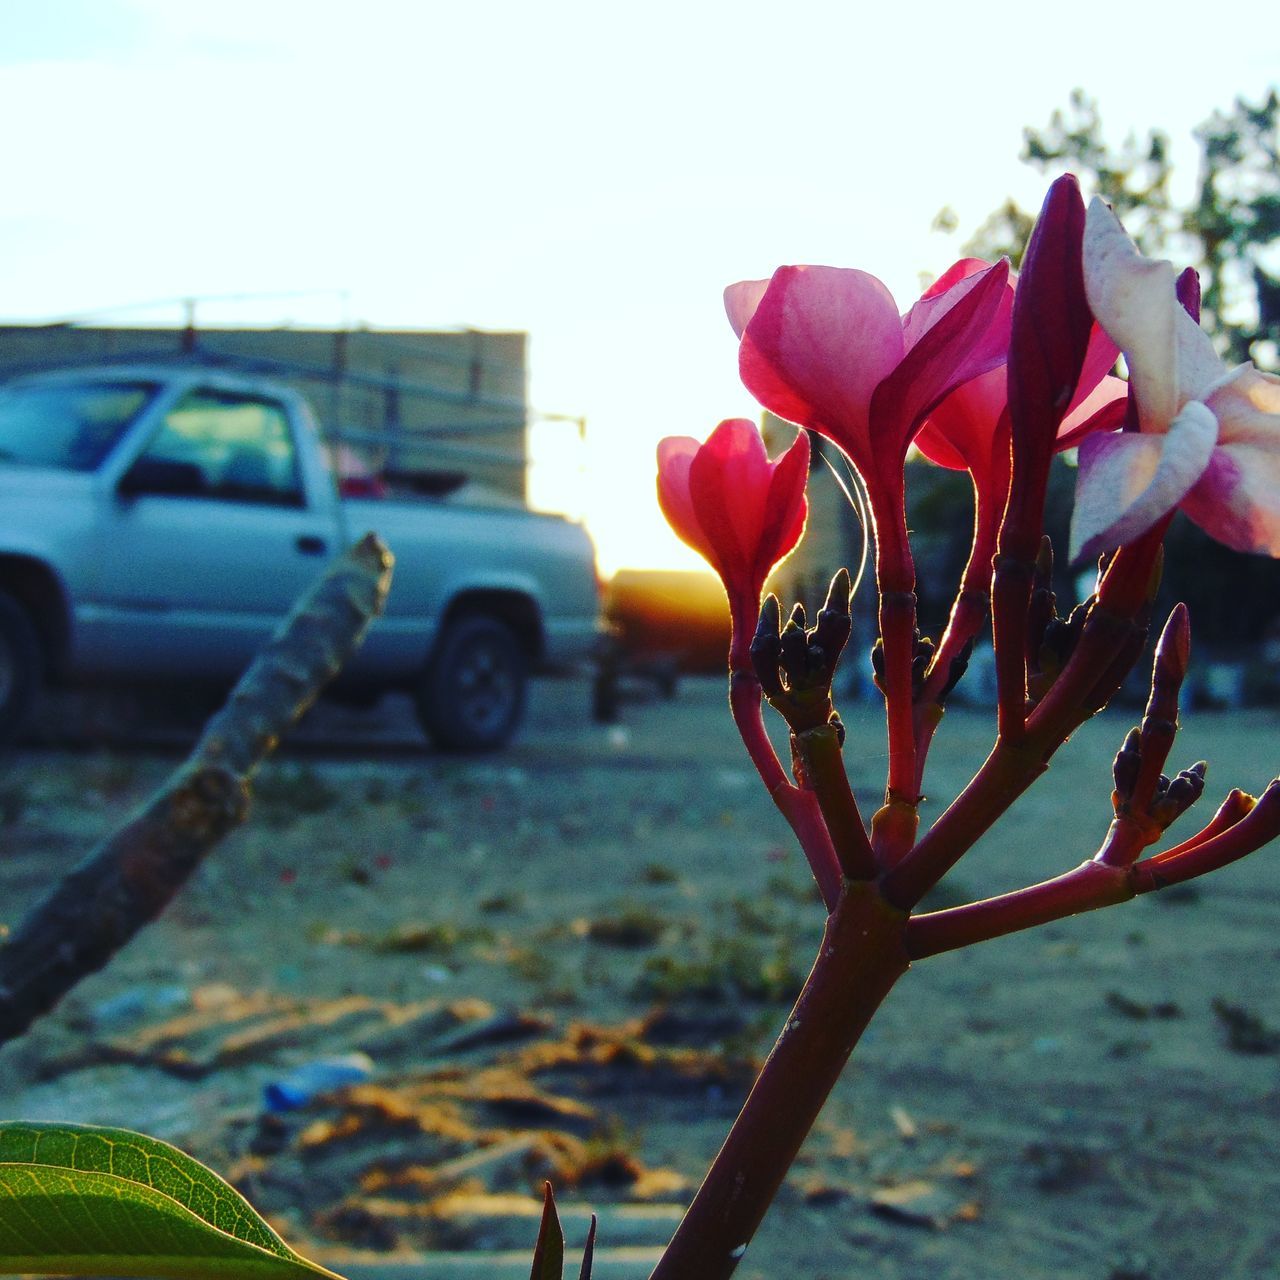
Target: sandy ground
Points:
(565, 958)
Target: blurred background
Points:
(489, 240)
(535, 208)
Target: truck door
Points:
(209, 541)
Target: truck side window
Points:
(239, 445)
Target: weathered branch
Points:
(128, 879)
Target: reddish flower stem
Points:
(1112, 876)
(968, 614)
(896, 578)
(1126, 582)
(897, 629)
(1005, 774)
(819, 751)
(1012, 581)
(972, 602)
(798, 805)
(1085, 888)
(973, 598)
(1258, 827)
(1125, 841)
(861, 958)
(1235, 807)
(1011, 586)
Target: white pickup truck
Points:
(156, 523)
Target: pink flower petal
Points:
(1247, 406)
(966, 335)
(729, 487)
(933, 302)
(1103, 409)
(960, 432)
(787, 508)
(675, 455)
(1237, 500)
(819, 343)
(1135, 300)
(1099, 359)
(1199, 365)
(741, 301)
(1129, 479)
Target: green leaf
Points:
(548, 1255)
(84, 1200)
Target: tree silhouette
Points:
(1230, 233)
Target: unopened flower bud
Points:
(794, 645)
(1169, 666)
(922, 655)
(1160, 720)
(1127, 653)
(1124, 770)
(1054, 647)
(834, 621)
(1175, 797)
(1044, 563)
(877, 663)
(959, 665)
(765, 647)
(1075, 625)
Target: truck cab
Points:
(158, 522)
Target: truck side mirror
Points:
(162, 476)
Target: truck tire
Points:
(20, 667)
(472, 695)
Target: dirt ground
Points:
(565, 959)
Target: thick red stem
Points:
(1086, 888)
(1005, 774)
(1126, 839)
(1123, 591)
(1109, 878)
(798, 805)
(823, 764)
(1236, 806)
(896, 578)
(968, 614)
(861, 958)
(1259, 826)
(1011, 587)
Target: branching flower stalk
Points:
(994, 380)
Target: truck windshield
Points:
(68, 425)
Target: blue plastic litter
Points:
(314, 1078)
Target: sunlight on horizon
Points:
(593, 179)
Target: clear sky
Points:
(593, 173)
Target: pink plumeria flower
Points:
(1208, 437)
(826, 347)
(742, 513)
(970, 429)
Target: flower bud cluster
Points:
(795, 663)
(1142, 792)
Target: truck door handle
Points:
(311, 545)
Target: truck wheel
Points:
(472, 696)
(20, 667)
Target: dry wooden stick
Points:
(128, 879)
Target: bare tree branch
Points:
(128, 879)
